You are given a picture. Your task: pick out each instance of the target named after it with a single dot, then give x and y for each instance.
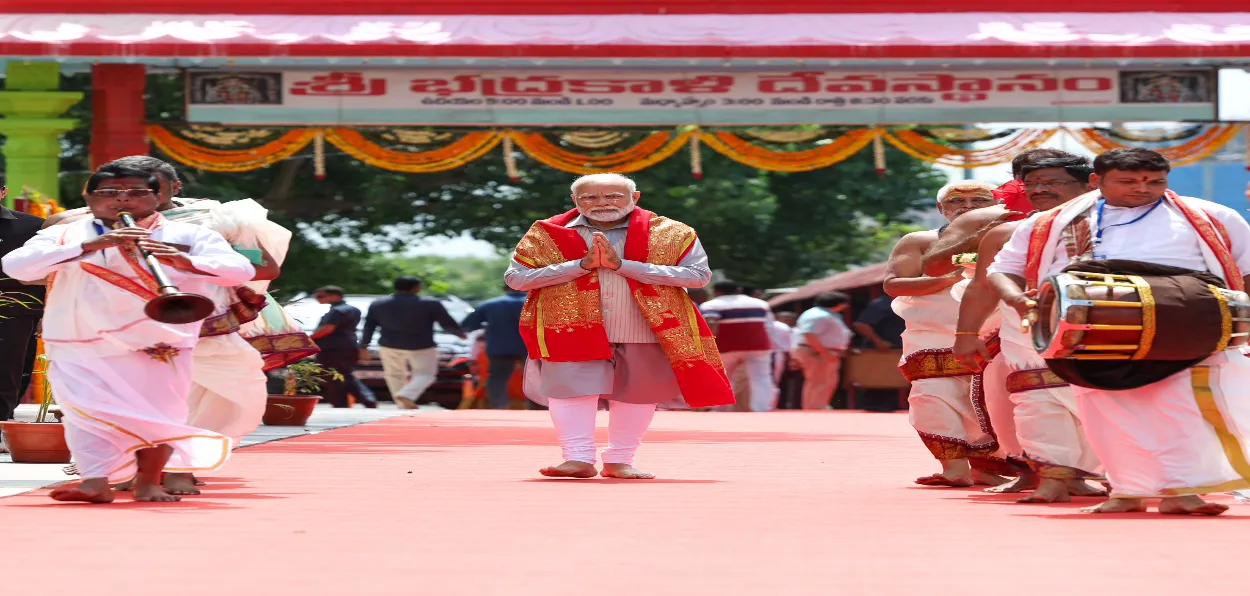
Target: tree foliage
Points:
(760, 228)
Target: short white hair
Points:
(603, 179)
(966, 186)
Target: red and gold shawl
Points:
(564, 322)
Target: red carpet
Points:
(450, 504)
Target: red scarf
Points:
(564, 323)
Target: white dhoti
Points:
(229, 391)
(1051, 437)
(942, 408)
(1185, 435)
(115, 406)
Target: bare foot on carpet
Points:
(1190, 505)
(948, 479)
(1050, 490)
(1078, 488)
(180, 484)
(153, 493)
(91, 490)
(198, 482)
(980, 478)
(624, 471)
(1117, 505)
(570, 469)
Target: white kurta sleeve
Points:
(41, 256)
(214, 256)
(691, 272)
(1014, 256)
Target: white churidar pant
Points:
(574, 419)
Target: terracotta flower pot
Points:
(32, 443)
(289, 410)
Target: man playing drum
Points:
(1049, 433)
(1182, 435)
(942, 409)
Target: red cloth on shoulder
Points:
(1013, 196)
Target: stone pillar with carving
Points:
(31, 106)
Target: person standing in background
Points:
(505, 351)
(20, 309)
(823, 341)
(336, 336)
(743, 328)
(782, 333)
(409, 353)
(879, 326)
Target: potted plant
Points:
(297, 402)
(41, 441)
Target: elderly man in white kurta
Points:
(608, 318)
(121, 377)
(1183, 436)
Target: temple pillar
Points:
(32, 129)
(117, 112)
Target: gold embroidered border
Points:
(1226, 319)
(1033, 379)
(1204, 395)
(1148, 318)
(939, 363)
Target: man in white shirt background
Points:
(823, 340)
(743, 328)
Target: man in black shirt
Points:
(409, 354)
(21, 306)
(336, 336)
(878, 327)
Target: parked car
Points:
(452, 351)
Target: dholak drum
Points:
(1119, 331)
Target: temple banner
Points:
(563, 97)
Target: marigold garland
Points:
(916, 145)
(1194, 150)
(742, 151)
(656, 147)
(457, 153)
(230, 160)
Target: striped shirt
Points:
(742, 323)
(622, 318)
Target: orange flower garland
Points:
(1191, 151)
(457, 153)
(743, 151)
(653, 149)
(230, 160)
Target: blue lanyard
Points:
(1102, 203)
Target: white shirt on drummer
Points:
(1164, 237)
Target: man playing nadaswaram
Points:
(608, 317)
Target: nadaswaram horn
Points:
(172, 306)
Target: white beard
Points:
(606, 214)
